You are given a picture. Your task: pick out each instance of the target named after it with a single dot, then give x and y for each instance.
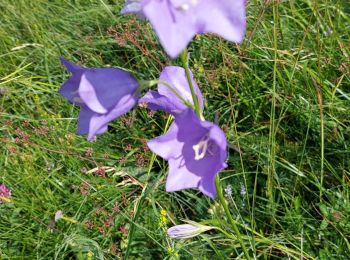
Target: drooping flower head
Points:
(176, 22)
(172, 99)
(4, 192)
(103, 94)
(195, 151)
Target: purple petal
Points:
(207, 186)
(222, 17)
(176, 77)
(69, 89)
(190, 126)
(176, 22)
(192, 132)
(102, 88)
(100, 121)
(132, 6)
(84, 120)
(88, 94)
(196, 152)
(102, 93)
(174, 28)
(71, 67)
(219, 138)
(155, 101)
(92, 123)
(179, 177)
(166, 145)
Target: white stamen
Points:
(201, 148)
(185, 7)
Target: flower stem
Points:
(189, 79)
(217, 180)
(229, 216)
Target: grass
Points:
(282, 97)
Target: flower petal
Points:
(102, 88)
(84, 121)
(166, 145)
(155, 101)
(88, 94)
(222, 17)
(69, 88)
(179, 177)
(187, 170)
(176, 77)
(176, 22)
(102, 93)
(71, 67)
(99, 122)
(132, 6)
(174, 28)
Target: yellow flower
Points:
(162, 218)
(90, 255)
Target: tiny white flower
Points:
(58, 215)
(228, 191)
(243, 190)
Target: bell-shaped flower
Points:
(176, 22)
(195, 151)
(174, 95)
(103, 94)
(132, 6)
(5, 193)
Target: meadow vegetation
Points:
(282, 97)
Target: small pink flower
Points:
(4, 193)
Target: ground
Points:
(282, 97)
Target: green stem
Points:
(271, 169)
(229, 216)
(217, 180)
(189, 79)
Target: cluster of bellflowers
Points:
(196, 149)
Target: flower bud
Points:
(187, 230)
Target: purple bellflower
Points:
(103, 94)
(133, 6)
(168, 99)
(176, 22)
(5, 193)
(195, 151)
